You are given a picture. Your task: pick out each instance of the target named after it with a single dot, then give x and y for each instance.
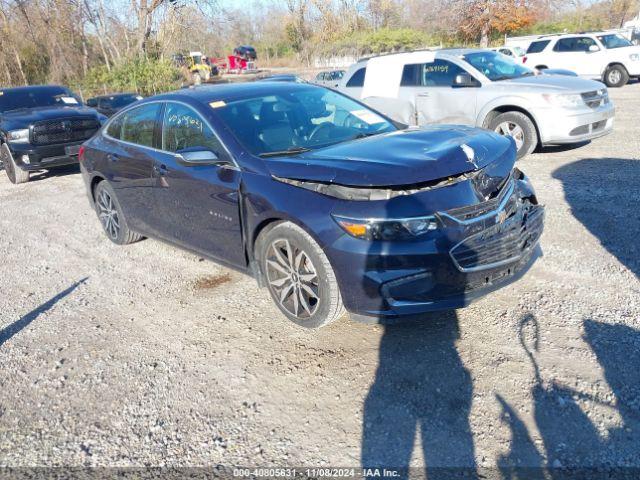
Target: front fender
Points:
(503, 103)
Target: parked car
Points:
(283, 77)
(609, 57)
(329, 78)
(110, 104)
(484, 89)
(42, 127)
(515, 53)
(328, 203)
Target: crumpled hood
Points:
(26, 116)
(405, 157)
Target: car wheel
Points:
(299, 276)
(111, 217)
(14, 172)
(518, 126)
(616, 76)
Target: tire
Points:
(541, 67)
(309, 291)
(111, 217)
(616, 76)
(519, 126)
(14, 172)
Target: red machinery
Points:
(243, 60)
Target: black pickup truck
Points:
(42, 127)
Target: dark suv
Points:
(42, 127)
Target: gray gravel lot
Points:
(147, 355)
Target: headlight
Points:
(570, 100)
(635, 57)
(19, 136)
(391, 229)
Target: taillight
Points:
(81, 153)
(524, 59)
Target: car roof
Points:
(113, 95)
(229, 92)
(32, 87)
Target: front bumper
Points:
(467, 258)
(42, 157)
(562, 126)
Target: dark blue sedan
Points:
(327, 203)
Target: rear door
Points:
(128, 163)
(196, 206)
(436, 99)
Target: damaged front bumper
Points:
(476, 249)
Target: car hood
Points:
(26, 116)
(558, 83)
(401, 158)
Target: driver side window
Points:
(184, 129)
(440, 73)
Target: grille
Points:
(501, 243)
(596, 98)
(63, 130)
(472, 212)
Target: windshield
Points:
(35, 97)
(614, 41)
(299, 120)
(496, 66)
(519, 51)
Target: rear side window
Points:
(411, 75)
(184, 129)
(574, 44)
(139, 124)
(115, 127)
(357, 79)
(537, 47)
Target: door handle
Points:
(112, 157)
(160, 169)
(424, 94)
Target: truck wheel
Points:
(111, 217)
(518, 126)
(14, 172)
(616, 76)
(299, 276)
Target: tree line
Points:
(128, 44)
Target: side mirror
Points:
(192, 158)
(594, 48)
(464, 80)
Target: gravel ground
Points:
(147, 355)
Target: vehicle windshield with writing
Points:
(42, 127)
(328, 203)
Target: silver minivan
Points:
(485, 89)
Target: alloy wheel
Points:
(511, 129)
(292, 278)
(108, 214)
(615, 76)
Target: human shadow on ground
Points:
(9, 331)
(603, 194)
(573, 443)
(421, 386)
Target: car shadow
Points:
(562, 148)
(54, 172)
(9, 331)
(603, 194)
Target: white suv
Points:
(604, 56)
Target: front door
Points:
(436, 98)
(579, 55)
(197, 206)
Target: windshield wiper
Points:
(288, 151)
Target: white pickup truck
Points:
(605, 56)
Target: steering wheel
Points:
(318, 128)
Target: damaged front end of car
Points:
(436, 243)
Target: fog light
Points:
(25, 159)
